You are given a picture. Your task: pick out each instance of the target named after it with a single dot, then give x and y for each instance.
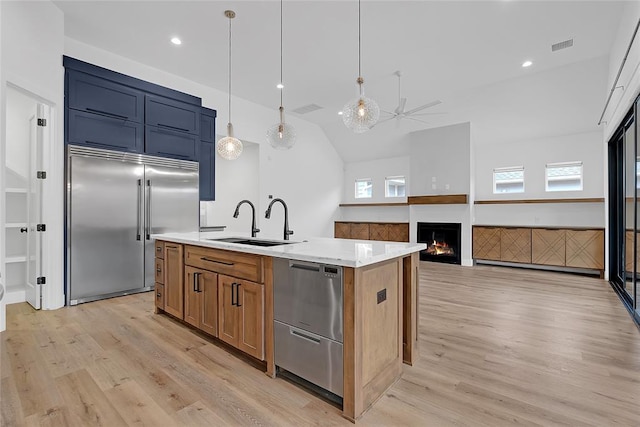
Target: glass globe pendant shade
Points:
(229, 147)
(281, 136)
(360, 114)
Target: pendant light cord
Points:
(230, 69)
(281, 80)
(359, 42)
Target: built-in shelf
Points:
(443, 199)
(360, 205)
(14, 259)
(520, 201)
(15, 224)
(15, 190)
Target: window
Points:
(394, 186)
(508, 180)
(364, 188)
(564, 176)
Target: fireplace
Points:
(442, 240)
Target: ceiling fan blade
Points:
(401, 105)
(430, 114)
(389, 112)
(424, 107)
(416, 120)
(386, 119)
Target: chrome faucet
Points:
(267, 215)
(254, 230)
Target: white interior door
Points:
(34, 208)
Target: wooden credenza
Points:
(550, 246)
(385, 231)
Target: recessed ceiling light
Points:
(339, 113)
(280, 86)
(176, 41)
(526, 64)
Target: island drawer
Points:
(235, 264)
(159, 290)
(159, 249)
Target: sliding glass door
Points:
(624, 211)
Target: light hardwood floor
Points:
(498, 347)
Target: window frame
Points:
(508, 169)
(386, 186)
(358, 180)
(549, 166)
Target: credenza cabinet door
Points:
(515, 245)
(342, 230)
(548, 246)
(585, 249)
(486, 243)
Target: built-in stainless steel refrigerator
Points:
(115, 202)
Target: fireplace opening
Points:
(442, 240)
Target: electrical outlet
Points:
(433, 186)
(446, 186)
(433, 179)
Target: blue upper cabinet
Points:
(208, 125)
(104, 97)
(170, 143)
(104, 132)
(172, 115)
(207, 154)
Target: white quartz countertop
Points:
(344, 252)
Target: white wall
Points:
(32, 40)
(441, 160)
(236, 180)
(308, 177)
(534, 155)
(377, 170)
(622, 99)
(3, 317)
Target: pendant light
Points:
(229, 147)
(362, 113)
(282, 135)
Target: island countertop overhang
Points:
(343, 252)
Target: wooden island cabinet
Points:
(228, 294)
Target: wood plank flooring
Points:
(498, 346)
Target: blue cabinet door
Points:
(172, 115)
(104, 97)
(104, 132)
(169, 143)
(208, 125)
(207, 171)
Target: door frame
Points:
(50, 292)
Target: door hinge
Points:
(41, 227)
(41, 175)
(41, 281)
(42, 122)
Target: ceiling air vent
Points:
(307, 109)
(562, 45)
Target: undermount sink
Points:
(252, 242)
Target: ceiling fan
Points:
(400, 113)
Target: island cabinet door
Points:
(227, 313)
(173, 280)
(250, 305)
(192, 296)
(208, 287)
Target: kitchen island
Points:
(225, 288)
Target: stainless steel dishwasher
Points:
(308, 321)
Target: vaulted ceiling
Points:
(468, 54)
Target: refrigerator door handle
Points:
(148, 210)
(139, 208)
